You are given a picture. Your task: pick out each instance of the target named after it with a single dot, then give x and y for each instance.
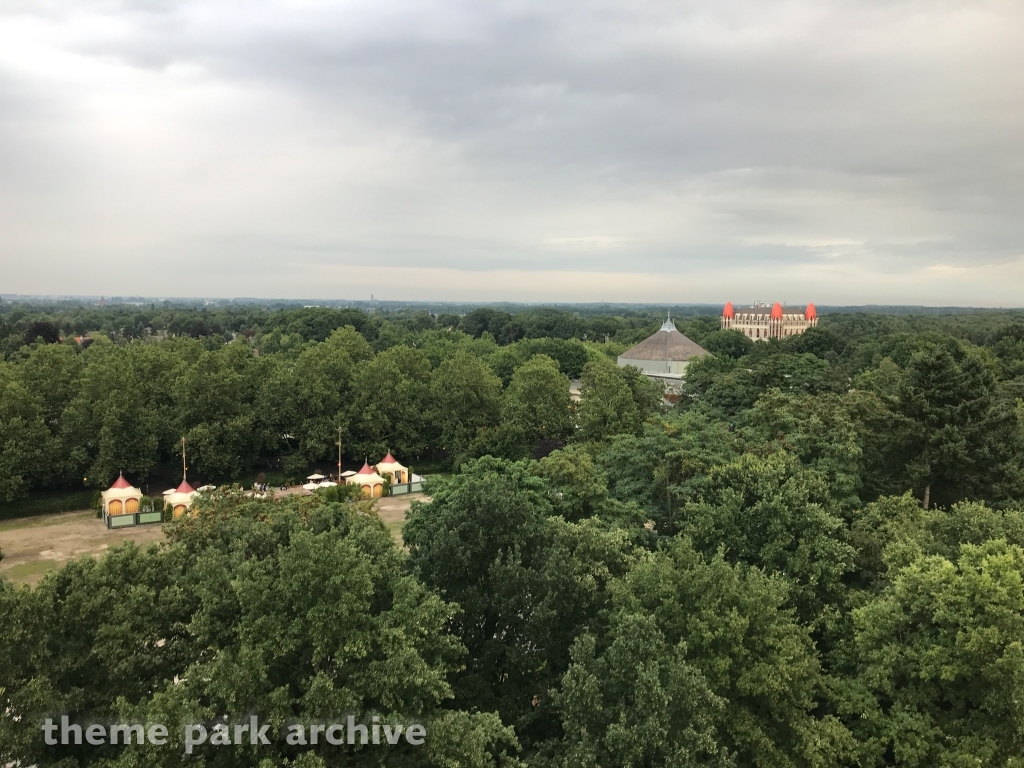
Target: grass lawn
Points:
(30, 572)
(431, 467)
(395, 529)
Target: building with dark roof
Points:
(663, 356)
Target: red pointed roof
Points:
(728, 312)
(810, 313)
(776, 311)
(120, 483)
(366, 470)
(184, 488)
(389, 459)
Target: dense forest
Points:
(814, 558)
(95, 392)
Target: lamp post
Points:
(339, 455)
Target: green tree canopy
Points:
(607, 406)
(465, 397)
(295, 610)
(943, 662)
(963, 438)
(389, 409)
(526, 582)
(535, 407)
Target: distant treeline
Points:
(21, 323)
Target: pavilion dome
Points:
(666, 344)
(776, 311)
(810, 313)
(729, 313)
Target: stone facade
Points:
(761, 322)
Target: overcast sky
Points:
(837, 152)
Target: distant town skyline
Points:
(849, 153)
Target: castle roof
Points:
(666, 344)
(769, 311)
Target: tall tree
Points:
(962, 437)
(465, 397)
(818, 430)
(390, 400)
(702, 661)
(527, 582)
(535, 407)
(606, 404)
(942, 660)
(26, 445)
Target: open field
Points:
(32, 546)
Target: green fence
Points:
(138, 518)
(403, 488)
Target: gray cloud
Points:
(842, 152)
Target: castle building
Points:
(760, 323)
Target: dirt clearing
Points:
(34, 545)
(393, 509)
